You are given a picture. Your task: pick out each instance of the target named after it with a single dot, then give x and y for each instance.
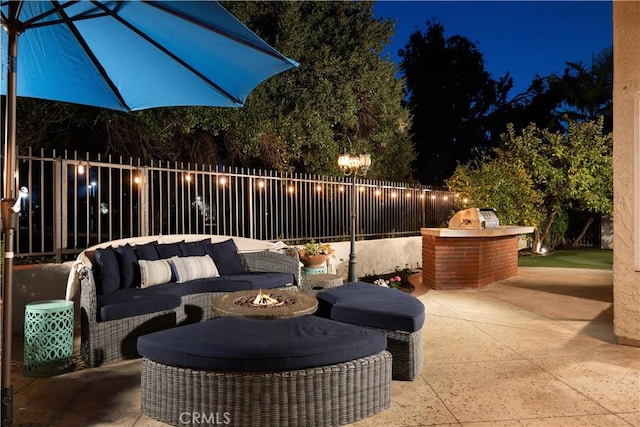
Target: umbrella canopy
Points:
(137, 55)
(120, 55)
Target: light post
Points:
(354, 165)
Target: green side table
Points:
(48, 337)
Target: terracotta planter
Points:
(313, 261)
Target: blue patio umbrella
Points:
(120, 55)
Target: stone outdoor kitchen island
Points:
(469, 257)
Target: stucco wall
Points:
(626, 127)
(377, 256)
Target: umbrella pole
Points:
(9, 224)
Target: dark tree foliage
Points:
(579, 94)
(451, 97)
(587, 92)
(344, 95)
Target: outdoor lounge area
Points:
(533, 350)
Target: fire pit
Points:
(272, 304)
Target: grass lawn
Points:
(579, 258)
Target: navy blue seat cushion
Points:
(107, 271)
(168, 250)
(372, 305)
(134, 302)
(194, 248)
(245, 282)
(262, 280)
(129, 269)
(238, 344)
(225, 256)
(148, 251)
(199, 286)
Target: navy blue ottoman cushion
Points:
(251, 345)
(372, 305)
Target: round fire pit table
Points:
(240, 304)
(319, 282)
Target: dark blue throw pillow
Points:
(147, 251)
(107, 271)
(168, 250)
(129, 269)
(194, 248)
(225, 256)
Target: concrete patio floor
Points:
(534, 350)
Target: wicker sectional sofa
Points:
(124, 294)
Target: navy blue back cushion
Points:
(194, 248)
(238, 344)
(107, 271)
(148, 251)
(129, 270)
(225, 256)
(168, 250)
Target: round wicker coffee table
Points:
(239, 304)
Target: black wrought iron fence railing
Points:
(73, 202)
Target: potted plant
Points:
(314, 254)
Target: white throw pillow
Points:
(193, 267)
(154, 272)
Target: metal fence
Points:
(74, 202)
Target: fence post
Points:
(143, 195)
(250, 203)
(59, 213)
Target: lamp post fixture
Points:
(354, 165)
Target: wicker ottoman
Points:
(399, 315)
(234, 371)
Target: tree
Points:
(554, 171)
(588, 93)
(504, 186)
(580, 93)
(451, 96)
(344, 95)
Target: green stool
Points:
(48, 337)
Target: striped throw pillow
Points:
(193, 267)
(154, 272)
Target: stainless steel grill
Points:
(475, 218)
